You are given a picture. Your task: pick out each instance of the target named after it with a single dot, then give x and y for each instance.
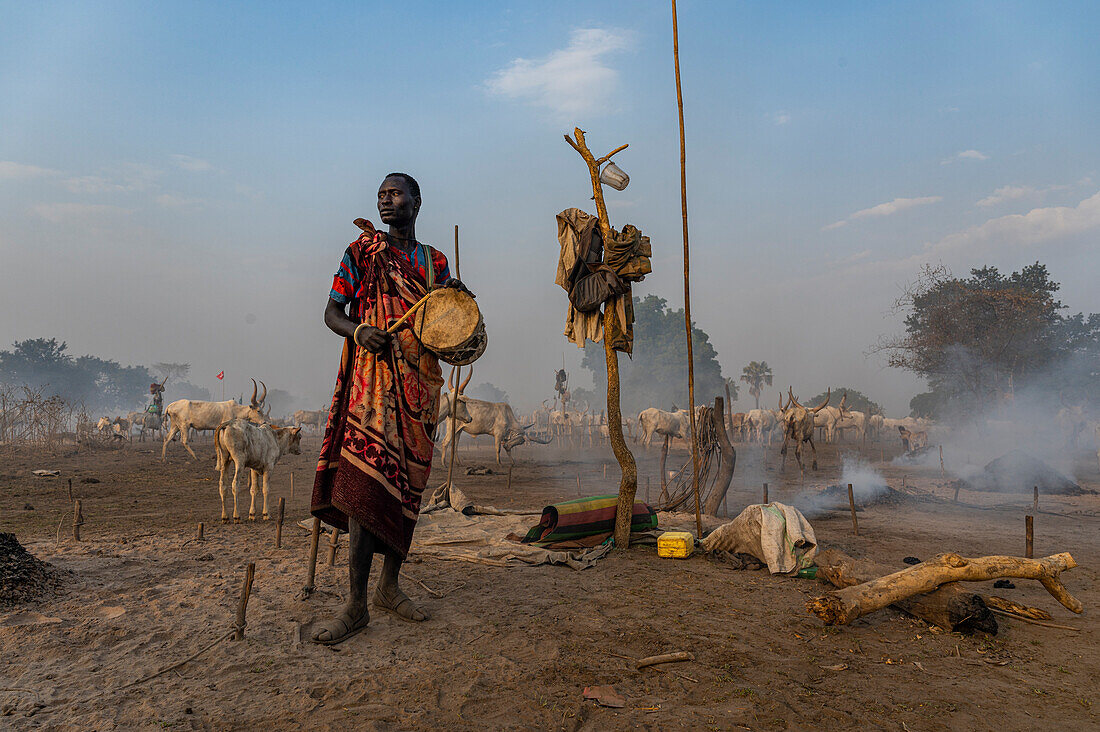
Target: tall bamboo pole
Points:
(687, 278)
(628, 483)
(454, 395)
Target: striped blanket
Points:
(586, 518)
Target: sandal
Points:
(341, 622)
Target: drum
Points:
(449, 324)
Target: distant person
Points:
(377, 449)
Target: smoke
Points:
(867, 483)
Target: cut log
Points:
(1015, 609)
(841, 607)
(949, 607)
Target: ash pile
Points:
(835, 498)
(1018, 472)
(23, 577)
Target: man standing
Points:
(377, 449)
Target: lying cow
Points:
(256, 447)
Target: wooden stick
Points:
(1029, 537)
(687, 277)
(333, 545)
(510, 479)
(765, 500)
(1035, 501)
(852, 506)
(942, 475)
(1015, 609)
(311, 571)
(579, 485)
(958, 484)
(457, 373)
(242, 605)
(279, 524)
(661, 467)
(1033, 621)
(840, 607)
(408, 313)
(664, 658)
(78, 519)
(198, 534)
(292, 486)
(71, 499)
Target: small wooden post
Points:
(1029, 536)
(664, 478)
(510, 479)
(605, 471)
(852, 506)
(958, 484)
(78, 519)
(311, 571)
(942, 476)
(292, 486)
(765, 501)
(578, 485)
(71, 490)
(198, 534)
(279, 524)
(882, 455)
(242, 605)
(1035, 501)
(333, 545)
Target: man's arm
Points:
(336, 318)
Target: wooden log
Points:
(78, 519)
(852, 506)
(664, 658)
(279, 523)
(1029, 536)
(311, 571)
(242, 604)
(729, 460)
(333, 545)
(1015, 609)
(840, 607)
(949, 607)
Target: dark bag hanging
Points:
(593, 289)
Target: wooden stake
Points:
(454, 395)
(605, 471)
(942, 476)
(1029, 536)
(242, 605)
(279, 524)
(1035, 501)
(71, 499)
(510, 479)
(78, 519)
(664, 476)
(957, 486)
(198, 534)
(333, 545)
(578, 485)
(292, 486)
(852, 506)
(628, 483)
(687, 277)
(765, 501)
(311, 567)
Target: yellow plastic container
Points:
(675, 544)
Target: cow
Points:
(851, 419)
(478, 417)
(147, 421)
(875, 426)
(184, 415)
(911, 440)
(737, 425)
(798, 425)
(659, 422)
(306, 418)
(255, 447)
(825, 420)
(115, 429)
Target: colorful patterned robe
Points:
(377, 450)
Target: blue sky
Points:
(183, 176)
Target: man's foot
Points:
(339, 629)
(394, 600)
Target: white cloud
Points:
(884, 209)
(94, 184)
(781, 118)
(965, 155)
(78, 213)
(190, 164)
(1007, 193)
(171, 200)
(18, 171)
(571, 81)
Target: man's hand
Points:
(373, 339)
(457, 284)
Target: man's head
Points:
(398, 199)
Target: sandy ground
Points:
(514, 648)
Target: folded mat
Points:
(586, 517)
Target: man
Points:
(377, 449)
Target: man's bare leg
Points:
(355, 616)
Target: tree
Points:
(977, 340)
(656, 376)
(487, 392)
(757, 375)
(857, 400)
(169, 371)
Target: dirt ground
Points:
(514, 648)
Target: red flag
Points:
(221, 375)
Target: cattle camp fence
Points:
(30, 418)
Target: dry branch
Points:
(664, 658)
(843, 606)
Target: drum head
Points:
(447, 320)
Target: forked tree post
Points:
(628, 483)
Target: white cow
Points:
(255, 447)
(478, 417)
(185, 415)
(667, 424)
(851, 419)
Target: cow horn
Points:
(462, 386)
(790, 398)
(529, 426)
(263, 399)
(821, 406)
(254, 390)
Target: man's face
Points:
(396, 204)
